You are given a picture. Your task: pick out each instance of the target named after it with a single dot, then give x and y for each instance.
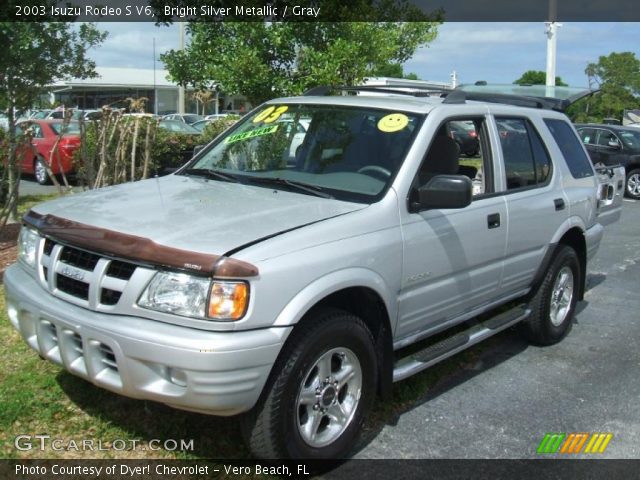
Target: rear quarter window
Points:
(569, 144)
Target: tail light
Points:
(473, 134)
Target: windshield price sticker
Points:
(270, 114)
(394, 122)
(258, 132)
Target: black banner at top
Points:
(320, 10)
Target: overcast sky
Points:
(495, 52)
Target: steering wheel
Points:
(376, 169)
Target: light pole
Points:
(551, 29)
(155, 88)
(181, 87)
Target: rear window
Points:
(572, 151)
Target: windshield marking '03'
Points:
(351, 153)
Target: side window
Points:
(569, 144)
(37, 131)
(607, 138)
(458, 148)
(587, 135)
(526, 161)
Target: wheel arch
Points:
(360, 292)
(573, 237)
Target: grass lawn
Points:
(38, 397)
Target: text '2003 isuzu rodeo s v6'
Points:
(283, 278)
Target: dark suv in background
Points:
(615, 145)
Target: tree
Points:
(394, 70)
(617, 75)
(35, 55)
(264, 60)
(537, 77)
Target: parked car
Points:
(87, 115)
(464, 133)
(615, 145)
(296, 293)
(200, 125)
(35, 158)
(188, 148)
(187, 118)
(216, 116)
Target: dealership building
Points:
(113, 86)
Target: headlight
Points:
(183, 294)
(27, 246)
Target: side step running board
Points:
(418, 361)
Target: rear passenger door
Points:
(536, 206)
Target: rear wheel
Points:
(40, 172)
(633, 184)
(554, 303)
(320, 392)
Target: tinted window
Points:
(587, 135)
(607, 138)
(573, 153)
(459, 152)
(526, 160)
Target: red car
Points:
(45, 134)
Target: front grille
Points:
(121, 270)
(109, 297)
(72, 287)
(70, 272)
(79, 258)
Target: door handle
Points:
(559, 204)
(493, 220)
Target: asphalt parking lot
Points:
(502, 404)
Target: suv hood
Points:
(195, 214)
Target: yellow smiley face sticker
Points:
(394, 122)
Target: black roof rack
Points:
(533, 96)
(413, 91)
(522, 96)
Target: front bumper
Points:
(220, 373)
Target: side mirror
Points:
(444, 191)
(614, 144)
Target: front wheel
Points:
(320, 392)
(633, 184)
(554, 303)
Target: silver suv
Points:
(287, 283)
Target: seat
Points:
(441, 159)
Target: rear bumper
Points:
(209, 372)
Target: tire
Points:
(632, 186)
(553, 305)
(40, 172)
(326, 371)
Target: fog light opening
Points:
(178, 377)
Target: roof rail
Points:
(523, 96)
(417, 91)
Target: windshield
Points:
(343, 152)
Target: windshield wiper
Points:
(211, 173)
(300, 186)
